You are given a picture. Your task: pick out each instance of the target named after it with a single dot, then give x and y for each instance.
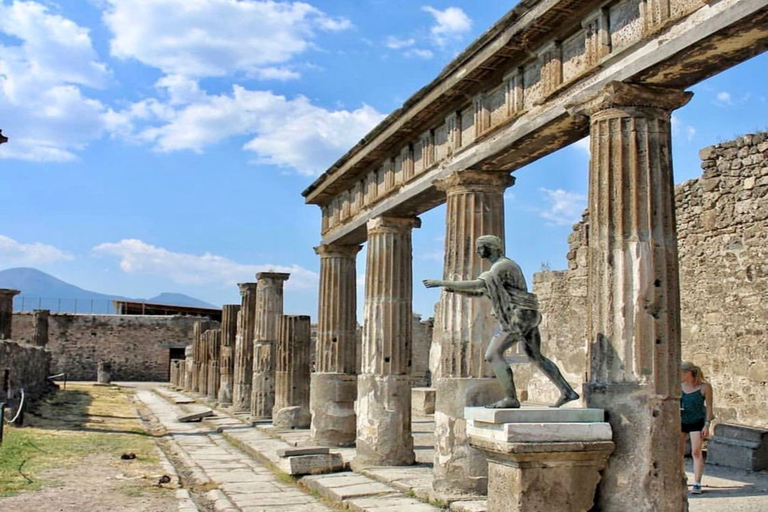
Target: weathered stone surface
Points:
(269, 311)
(28, 367)
(540, 432)
(6, 312)
(541, 476)
(384, 395)
(243, 372)
(311, 464)
(104, 373)
(423, 401)
(198, 416)
(332, 402)
(534, 414)
(214, 371)
(738, 446)
(291, 408)
(227, 361)
(293, 452)
(40, 321)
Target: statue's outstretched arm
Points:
(473, 287)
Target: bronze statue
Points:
(518, 314)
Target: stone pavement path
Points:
(210, 461)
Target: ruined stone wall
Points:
(28, 367)
(422, 340)
(722, 221)
(723, 248)
(137, 346)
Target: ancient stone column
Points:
(201, 359)
(214, 374)
(464, 326)
(227, 356)
(334, 383)
(6, 311)
(291, 408)
(634, 315)
(269, 310)
(40, 324)
(189, 367)
(104, 373)
(384, 388)
(243, 374)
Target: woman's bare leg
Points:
(698, 456)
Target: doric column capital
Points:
(246, 288)
(275, 276)
(618, 95)
(7, 292)
(471, 180)
(393, 224)
(337, 250)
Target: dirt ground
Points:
(67, 457)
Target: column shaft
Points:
(227, 357)
(291, 408)
(269, 310)
(384, 391)
(334, 384)
(214, 373)
(634, 319)
(6, 312)
(241, 393)
(40, 334)
(464, 326)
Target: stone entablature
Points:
(505, 97)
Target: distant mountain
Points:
(43, 291)
(179, 299)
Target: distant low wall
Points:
(28, 367)
(139, 347)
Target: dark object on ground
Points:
(128, 456)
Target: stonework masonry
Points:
(722, 220)
(139, 347)
(28, 367)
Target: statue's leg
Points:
(533, 350)
(500, 342)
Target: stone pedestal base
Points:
(225, 395)
(423, 401)
(291, 417)
(384, 421)
(538, 466)
(332, 404)
(738, 446)
(458, 466)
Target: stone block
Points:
(309, 450)
(738, 446)
(534, 414)
(311, 464)
(540, 432)
(198, 416)
(292, 417)
(332, 404)
(423, 401)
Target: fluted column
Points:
(464, 326)
(6, 311)
(227, 356)
(200, 329)
(269, 310)
(40, 321)
(334, 383)
(241, 393)
(189, 367)
(384, 389)
(291, 408)
(214, 372)
(633, 288)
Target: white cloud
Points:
(138, 257)
(564, 208)
(42, 105)
(204, 38)
(397, 44)
(419, 53)
(680, 127)
(724, 98)
(452, 23)
(285, 132)
(13, 252)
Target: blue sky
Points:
(163, 146)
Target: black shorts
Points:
(692, 427)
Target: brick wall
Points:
(137, 346)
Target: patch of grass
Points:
(65, 429)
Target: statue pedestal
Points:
(541, 458)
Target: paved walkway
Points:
(229, 458)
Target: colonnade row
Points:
(633, 322)
(633, 326)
